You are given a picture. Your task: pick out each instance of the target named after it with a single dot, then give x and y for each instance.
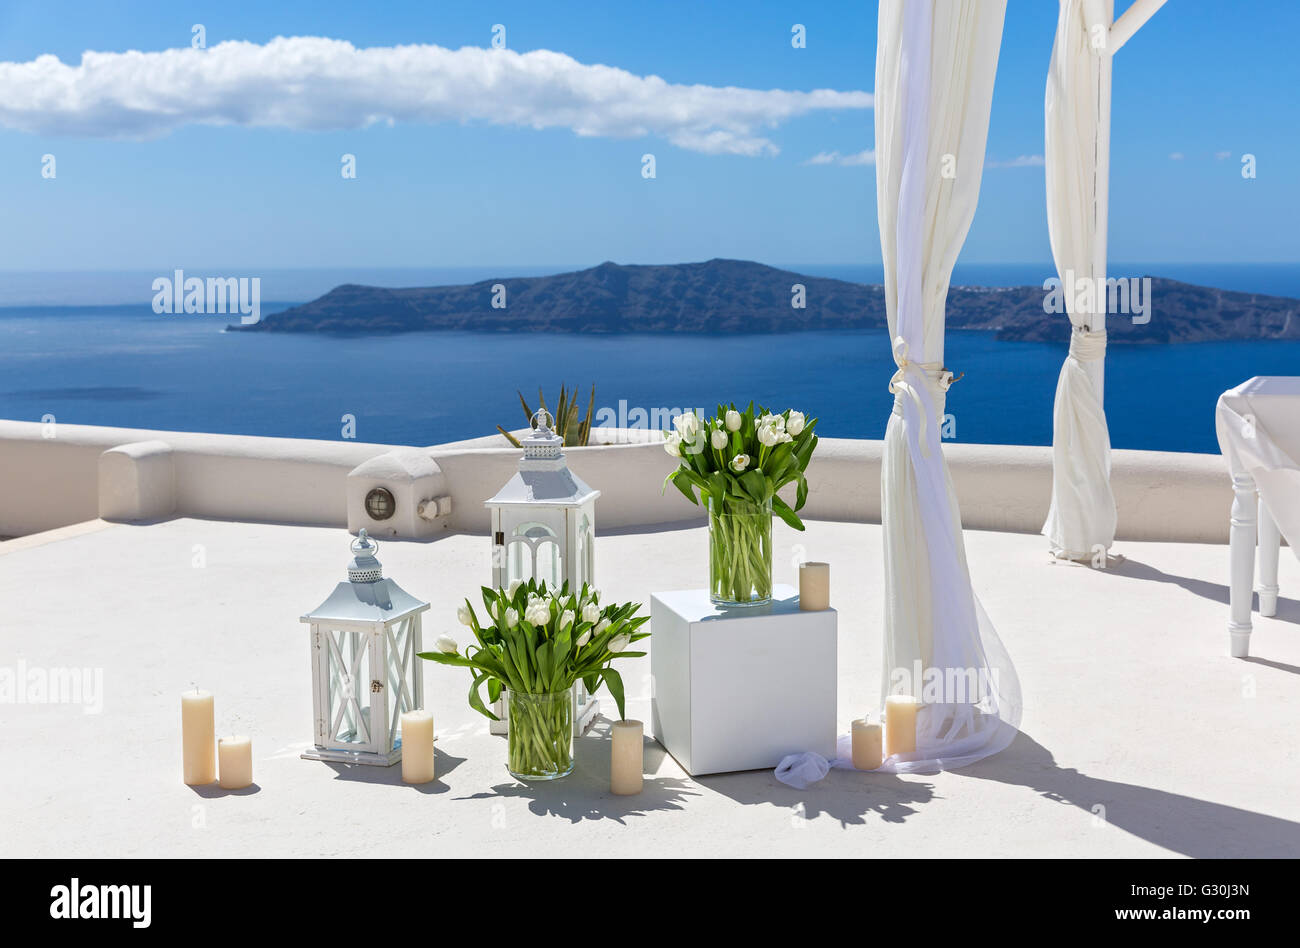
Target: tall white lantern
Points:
(544, 528)
(364, 639)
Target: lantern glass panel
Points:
(349, 687)
(402, 670)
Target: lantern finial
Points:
(364, 568)
(542, 421)
(542, 443)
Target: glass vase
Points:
(540, 741)
(740, 552)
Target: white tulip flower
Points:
(794, 424)
(687, 425)
(513, 588)
(601, 626)
(776, 422)
(538, 612)
(740, 462)
(697, 442)
(719, 438)
(583, 639)
(566, 619)
(512, 617)
(673, 444)
(768, 435)
(463, 615)
(733, 420)
(591, 613)
(445, 643)
(619, 642)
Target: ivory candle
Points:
(198, 737)
(417, 746)
(626, 760)
(814, 586)
(235, 755)
(900, 724)
(868, 745)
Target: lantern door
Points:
(529, 543)
(344, 665)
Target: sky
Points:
(533, 154)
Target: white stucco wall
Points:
(51, 482)
(48, 482)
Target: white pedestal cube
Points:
(738, 689)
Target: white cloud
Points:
(315, 83)
(1176, 156)
(1221, 155)
(1020, 161)
(865, 157)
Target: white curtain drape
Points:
(935, 65)
(1082, 515)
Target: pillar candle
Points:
(625, 763)
(867, 745)
(814, 586)
(900, 724)
(417, 746)
(235, 755)
(198, 737)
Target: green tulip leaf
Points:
(614, 682)
(782, 510)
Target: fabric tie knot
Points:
(932, 375)
(1088, 345)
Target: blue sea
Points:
(88, 349)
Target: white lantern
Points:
(544, 528)
(364, 639)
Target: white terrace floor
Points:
(1133, 712)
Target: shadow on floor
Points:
(1185, 825)
(1135, 569)
(585, 793)
(1288, 610)
(849, 796)
(1280, 666)
(211, 791)
(443, 764)
(1181, 824)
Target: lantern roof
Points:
(543, 478)
(367, 596)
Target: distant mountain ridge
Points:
(735, 296)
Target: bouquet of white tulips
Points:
(738, 460)
(539, 642)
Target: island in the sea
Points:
(738, 296)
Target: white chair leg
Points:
(1241, 553)
(1270, 542)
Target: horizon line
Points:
(4, 271)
